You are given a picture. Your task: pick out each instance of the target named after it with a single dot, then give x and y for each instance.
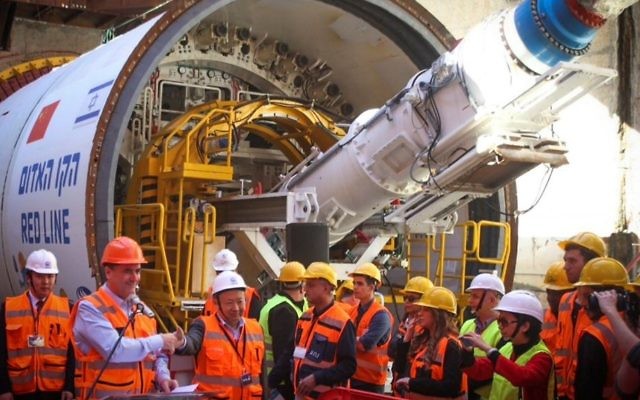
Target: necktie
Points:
(39, 305)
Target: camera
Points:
(621, 303)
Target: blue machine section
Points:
(550, 31)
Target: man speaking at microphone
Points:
(99, 319)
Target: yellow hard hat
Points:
(417, 284)
(368, 269)
(636, 282)
(321, 270)
(603, 271)
(347, 284)
(292, 271)
(440, 298)
(556, 277)
(587, 240)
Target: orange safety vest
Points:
(436, 366)
(222, 363)
(603, 331)
(210, 307)
(319, 337)
(118, 378)
(372, 364)
(567, 343)
(549, 333)
(346, 306)
(37, 368)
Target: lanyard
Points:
(233, 343)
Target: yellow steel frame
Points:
(436, 251)
(177, 166)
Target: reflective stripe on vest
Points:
(320, 338)
(117, 378)
(603, 332)
(549, 331)
(220, 366)
(37, 368)
(436, 366)
(210, 307)
(264, 323)
(502, 389)
(371, 364)
(567, 343)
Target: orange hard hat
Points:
(122, 250)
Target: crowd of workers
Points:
(314, 335)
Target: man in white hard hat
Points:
(226, 260)
(36, 356)
(229, 348)
(485, 292)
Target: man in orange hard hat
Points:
(98, 320)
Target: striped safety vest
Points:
(502, 389)
(567, 343)
(436, 366)
(319, 338)
(603, 332)
(34, 369)
(549, 333)
(264, 323)
(222, 364)
(118, 378)
(372, 364)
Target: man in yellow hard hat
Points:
(345, 297)
(556, 284)
(373, 331)
(113, 310)
(592, 374)
(279, 318)
(36, 357)
(572, 317)
(323, 351)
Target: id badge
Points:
(299, 352)
(35, 341)
(245, 379)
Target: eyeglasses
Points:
(504, 322)
(410, 299)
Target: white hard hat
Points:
(487, 282)
(42, 261)
(521, 302)
(228, 280)
(225, 260)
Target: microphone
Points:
(141, 308)
(113, 349)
